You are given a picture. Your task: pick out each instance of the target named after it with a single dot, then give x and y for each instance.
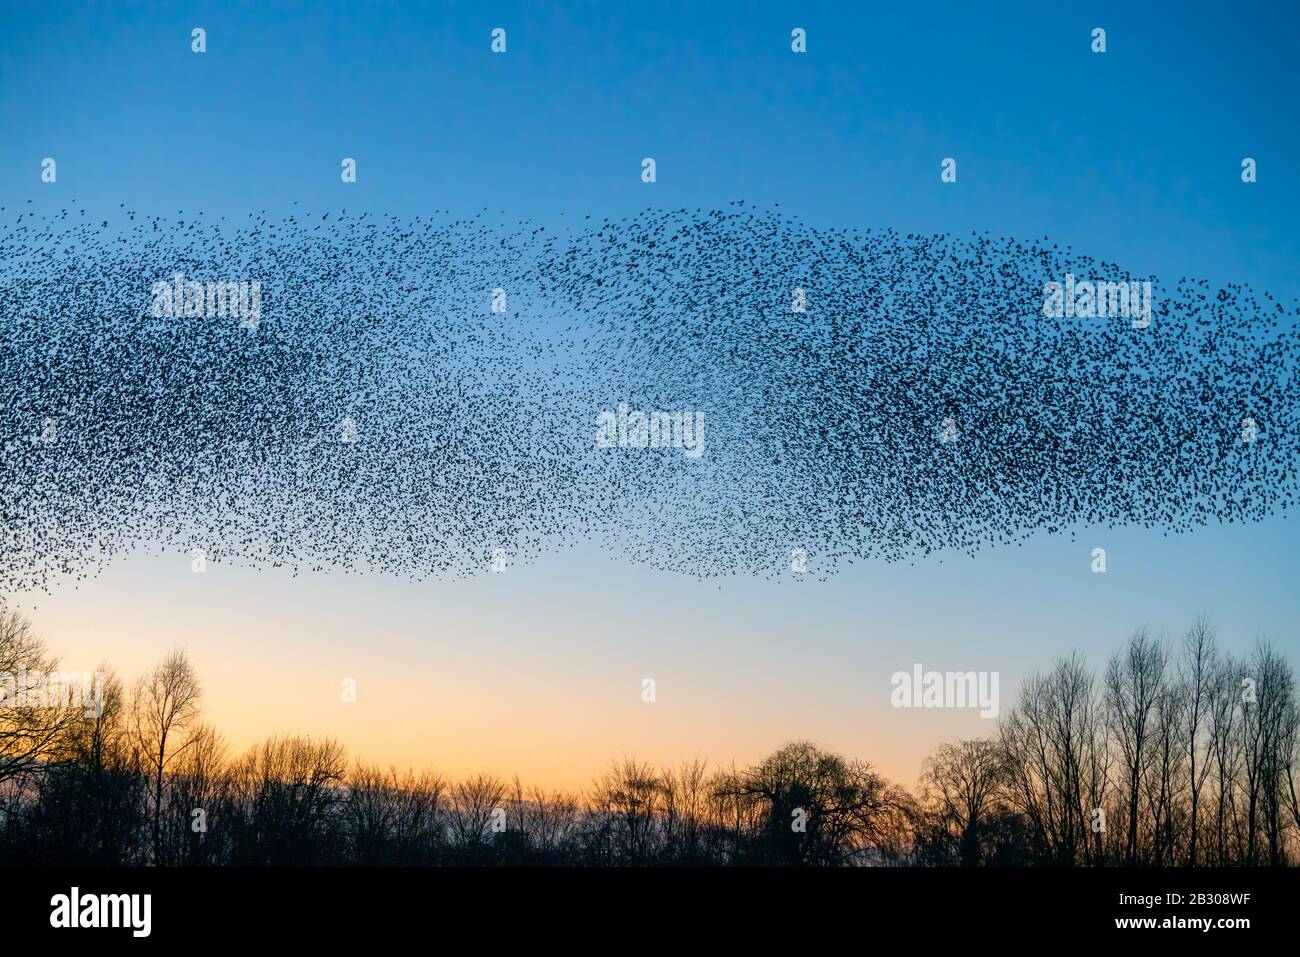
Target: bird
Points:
(856, 394)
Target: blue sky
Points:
(1132, 156)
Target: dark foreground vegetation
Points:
(1175, 754)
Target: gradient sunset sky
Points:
(1132, 157)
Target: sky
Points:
(1131, 156)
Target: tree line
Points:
(1176, 753)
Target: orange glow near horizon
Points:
(481, 686)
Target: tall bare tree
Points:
(1265, 712)
(1199, 660)
(1135, 680)
(164, 709)
(1052, 742)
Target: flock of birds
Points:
(382, 415)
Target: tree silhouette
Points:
(165, 703)
(1187, 758)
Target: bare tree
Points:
(963, 780)
(1135, 680)
(1224, 714)
(1194, 763)
(475, 804)
(199, 800)
(1289, 746)
(1199, 660)
(394, 818)
(1167, 779)
(1052, 744)
(31, 724)
(1264, 727)
(625, 804)
(551, 823)
(105, 776)
(165, 706)
(686, 809)
(287, 791)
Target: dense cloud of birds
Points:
(922, 403)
